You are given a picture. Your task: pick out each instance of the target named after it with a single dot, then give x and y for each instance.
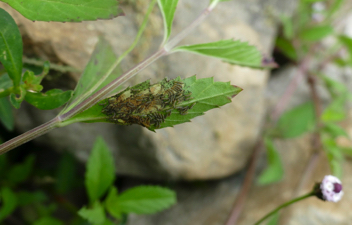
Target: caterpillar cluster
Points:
(147, 105)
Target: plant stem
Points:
(29, 135)
(242, 195)
(180, 36)
(283, 206)
(53, 66)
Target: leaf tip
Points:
(239, 90)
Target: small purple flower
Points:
(331, 189)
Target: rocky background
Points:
(204, 161)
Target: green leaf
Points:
(5, 82)
(52, 99)
(334, 130)
(100, 172)
(9, 202)
(32, 82)
(347, 42)
(347, 151)
(141, 200)
(334, 155)
(235, 52)
(66, 10)
(26, 198)
(168, 8)
(48, 220)
(275, 171)
(316, 33)
(296, 121)
(94, 75)
(287, 48)
(334, 7)
(66, 173)
(94, 215)
(335, 111)
(20, 172)
(287, 27)
(11, 48)
(112, 204)
(6, 116)
(16, 101)
(336, 89)
(274, 219)
(206, 95)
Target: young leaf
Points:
(92, 78)
(335, 111)
(275, 171)
(296, 121)
(52, 99)
(316, 33)
(48, 220)
(32, 81)
(287, 48)
(20, 172)
(235, 52)
(334, 155)
(66, 10)
(168, 8)
(287, 27)
(94, 215)
(100, 172)
(336, 89)
(112, 204)
(334, 130)
(9, 202)
(6, 116)
(16, 101)
(143, 200)
(11, 48)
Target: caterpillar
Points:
(147, 105)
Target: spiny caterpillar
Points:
(148, 105)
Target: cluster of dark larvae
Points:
(148, 105)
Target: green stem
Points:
(29, 135)
(283, 206)
(140, 32)
(40, 63)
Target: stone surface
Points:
(212, 146)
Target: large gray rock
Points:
(212, 146)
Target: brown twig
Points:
(242, 195)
